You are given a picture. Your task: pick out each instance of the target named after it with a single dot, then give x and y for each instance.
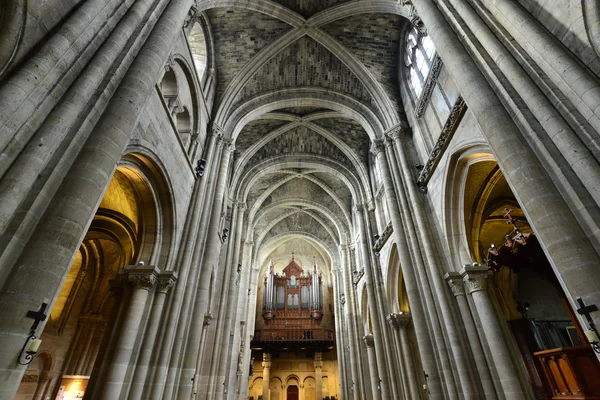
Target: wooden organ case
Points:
(293, 310)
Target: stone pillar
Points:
(575, 81)
(404, 320)
(458, 290)
(142, 280)
(572, 259)
(406, 393)
(380, 360)
(375, 382)
(350, 310)
(414, 289)
(475, 282)
(319, 374)
(165, 281)
(266, 375)
(197, 373)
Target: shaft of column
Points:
(142, 280)
(339, 339)
(194, 357)
(575, 81)
(403, 321)
(165, 281)
(572, 258)
(380, 360)
(266, 375)
(319, 374)
(579, 157)
(475, 281)
(181, 300)
(350, 317)
(228, 359)
(383, 310)
(456, 285)
(460, 354)
(397, 352)
(375, 381)
(61, 230)
(76, 40)
(413, 291)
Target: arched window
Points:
(197, 43)
(418, 58)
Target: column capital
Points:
(207, 318)
(266, 363)
(392, 321)
(141, 276)
(474, 278)
(369, 340)
(229, 144)
(377, 146)
(397, 131)
(166, 280)
(455, 282)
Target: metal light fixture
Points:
(32, 343)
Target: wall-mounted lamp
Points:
(32, 343)
(200, 167)
(225, 235)
(419, 168)
(239, 268)
(592, 333)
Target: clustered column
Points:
(266, 375)
(475, 282)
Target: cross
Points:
(586, 310)
(38, 316)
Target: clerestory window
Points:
(418, 58)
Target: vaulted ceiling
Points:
(303, 87)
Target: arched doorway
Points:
(554, 351)
(293, 393)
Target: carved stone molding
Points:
(413, 16)
(456, 115)
(207, 318)
(455, 283)
(474, 278)
(377, 146)
(29, 378)
(392, 321)
(432, 78)
(385, 235)
(369, 340)
(166, 280)
(403, 319)
(357, 277)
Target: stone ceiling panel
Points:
(238, 35)
(253, 131)
(300, 140)
(301, 111)
(305, 63)
(308, 8)
(351, 132)
(304, 189)
(374, 39)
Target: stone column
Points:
(398, 355)
(475, 282)
(404, 320)
(380, 360)
(572, 259)
(414, 289)
(458, 290)
(319, 374)
(165, 281)
(575, 81)
(266, 375)
(142, 280)
(375, 382)
(350, 309)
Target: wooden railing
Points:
(282, 334)
(573, 372)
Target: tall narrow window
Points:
(419, 55)
(197, 43)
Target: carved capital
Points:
(369, 340)
(217, 132)
(207, 318)
(229, 144)
(474, 278)
(455, 282)
(403, 319)
(29, 378)
(377, 146)
(392, 321)
(142, 281)
(166, 280)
